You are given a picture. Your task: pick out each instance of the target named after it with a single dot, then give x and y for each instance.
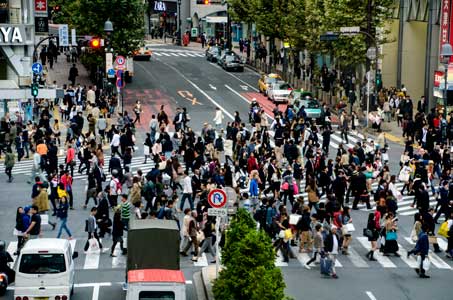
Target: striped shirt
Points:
(125, 210)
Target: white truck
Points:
(45, 270)
(153, 270)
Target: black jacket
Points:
(328, 242)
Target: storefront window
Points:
(4, 12)
(163, 17)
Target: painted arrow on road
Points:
(244, 87)
(189, 97)
(212, 87)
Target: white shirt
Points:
(187, 185)
(218, 117)
(115, 140)
(91, 96)
(335, 244)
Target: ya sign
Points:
(11, 35)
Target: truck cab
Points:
(156, 284)
(153, 270)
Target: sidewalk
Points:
(60, 73)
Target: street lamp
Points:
(446, 53)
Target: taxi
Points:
(144, 53)
(266, 80)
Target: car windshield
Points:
(271, 80)
(155, 295)
(309, 103)
(284, 86)
(42, 263)
(230, 58)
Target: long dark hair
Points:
(18, 215)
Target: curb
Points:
(207, 282)
(199, 286)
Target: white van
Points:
(156, 284)
(45, 270)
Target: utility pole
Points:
(228, 31)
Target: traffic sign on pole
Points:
(217, 212)
(329, 36)
(350, 30)
(36, 68)
(120, 60)
(217, 198)
(371, 53)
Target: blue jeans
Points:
(65, 227)
(183, 200)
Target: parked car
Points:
(267, 80)
(222, 56)
(232, 61)
(212, 53)
(279, 92)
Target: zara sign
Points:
(11, 35)
(160, 6)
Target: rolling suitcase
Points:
(326, 265)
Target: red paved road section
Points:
(265, 103)
(151, 100)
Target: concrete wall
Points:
(389, 56)
(413, 64)
(414, 52)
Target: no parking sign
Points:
(217, 198)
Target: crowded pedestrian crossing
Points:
(94, 260)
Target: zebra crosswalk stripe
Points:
(382, 260)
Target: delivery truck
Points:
(153, 270)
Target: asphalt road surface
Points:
(177, 77)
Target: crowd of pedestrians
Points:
(280, 169)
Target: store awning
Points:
(216, 19)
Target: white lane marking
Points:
(165, 54)
(356, 259)
(245, 99)
(95, 292)
(183, 54)
(383, 260)
(73, 244)
(157, 53)
(411, 261)
(201, 91)
(12, 247)
(199, 55)
(175, 54)
(120, 259)
(190, 54)
(279, 260)
(212, 87)
(370, 295)
(189, 282)
(232, 75)
(85, 285)
(202, 261)
(92, 259)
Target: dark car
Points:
(212, 53)
(232, 61)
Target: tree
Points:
(242, 11)
(250, 273)
(127, 18)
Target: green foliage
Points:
(127, 16)
(250, 273)
(301, 22)
(241, 223)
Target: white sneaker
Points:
(307, 267)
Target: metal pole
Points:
(217, 235)
(445, 90)
(179, 37)
(368, 88)
(399, 61)
(122, 101)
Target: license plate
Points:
(41, 298)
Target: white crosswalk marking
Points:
(279, 260)
(202, 261)
(120, 260)
(435, 259)
(180, 53)
(382, 260)
(12, 247)
(356, 258)
(411, 261)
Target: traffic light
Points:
(378, 81)
(56, 8)
(34, 89)
(95, 43)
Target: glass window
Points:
(42, 263)
(155, 295)
(310, 103)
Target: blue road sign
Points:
(111, 72)
(36, 68)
